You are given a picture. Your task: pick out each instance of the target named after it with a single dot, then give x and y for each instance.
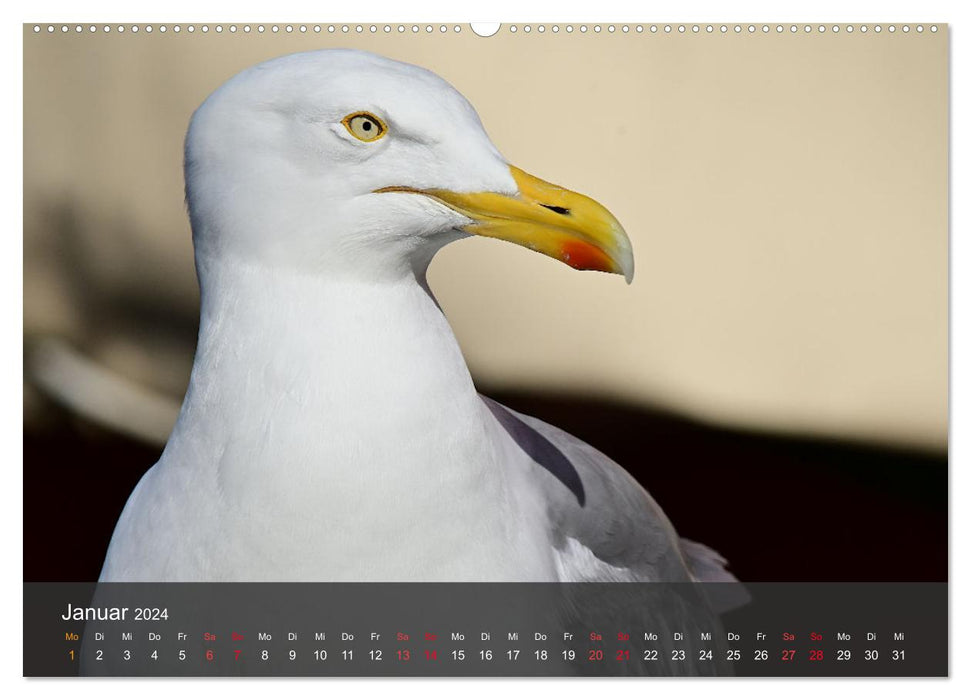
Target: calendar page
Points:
(545, 349)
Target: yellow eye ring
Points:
(364, 126)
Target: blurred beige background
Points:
(786, 196)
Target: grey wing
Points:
(606, 526)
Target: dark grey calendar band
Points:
(372, 629)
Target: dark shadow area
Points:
(780, 508)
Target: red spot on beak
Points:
(581, 255)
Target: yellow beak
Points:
(546, 218)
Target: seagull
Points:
(331, 430)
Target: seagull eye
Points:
(364, 126)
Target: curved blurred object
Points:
(98, 394)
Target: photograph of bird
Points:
(331, 430)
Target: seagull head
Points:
(343, 162)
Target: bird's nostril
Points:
(559, 210)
